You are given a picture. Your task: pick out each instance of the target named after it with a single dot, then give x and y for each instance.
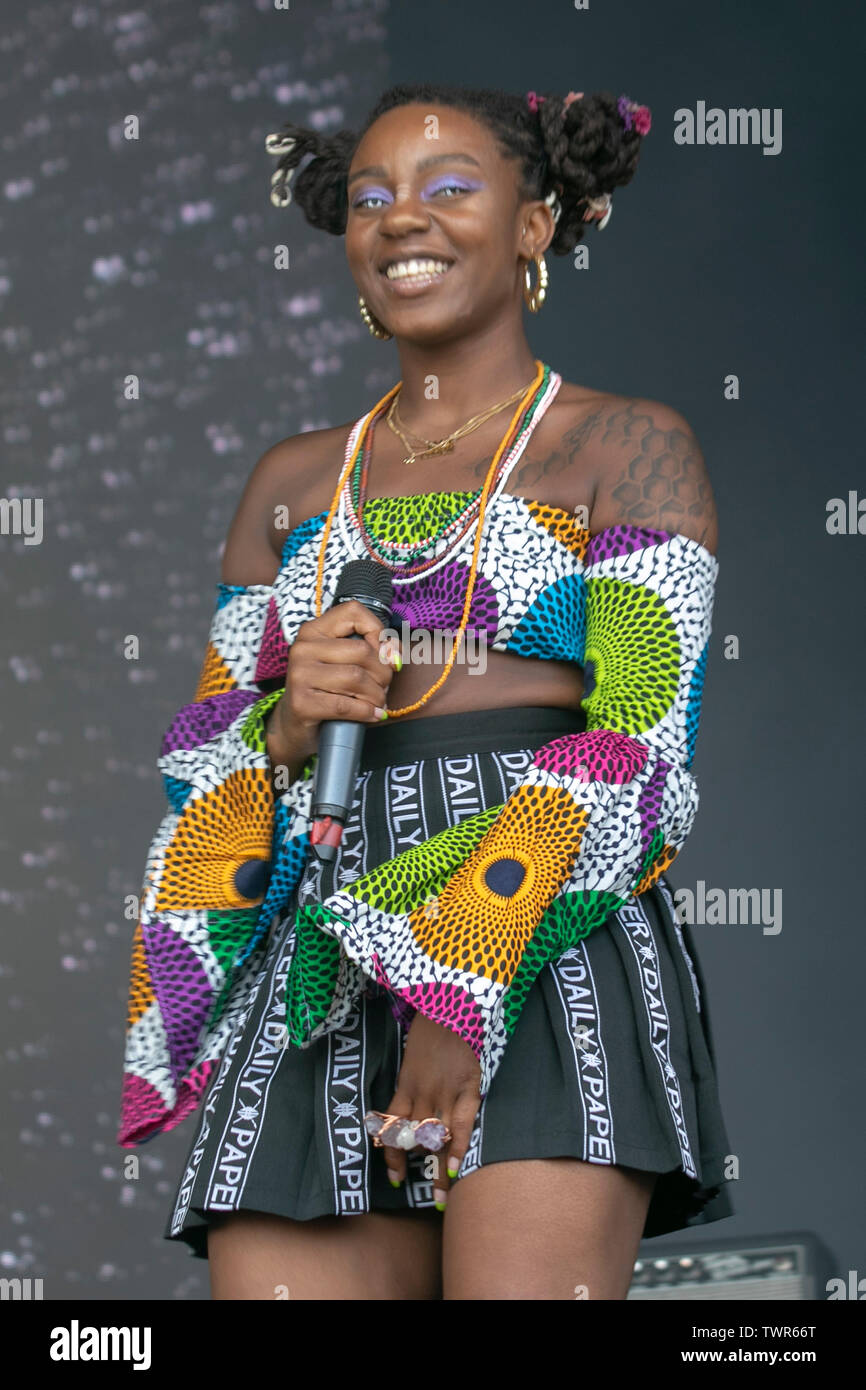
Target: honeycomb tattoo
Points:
(660, 479)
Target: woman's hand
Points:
(440, 1077)
(338, 668)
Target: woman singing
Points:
(468, 1055)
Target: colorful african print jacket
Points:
(457, 928)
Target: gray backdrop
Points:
(154, 257)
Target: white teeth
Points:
(401, 270)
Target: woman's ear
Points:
(537, 227)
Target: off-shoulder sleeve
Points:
(223, 861)
(459, 928)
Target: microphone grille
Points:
(367, 578)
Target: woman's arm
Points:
(651, 472)
(209, 892)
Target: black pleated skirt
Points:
(611, 1061)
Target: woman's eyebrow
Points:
(377, 171)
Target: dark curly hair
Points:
(578, 151)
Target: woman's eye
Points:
(366, 200)
(458, 188)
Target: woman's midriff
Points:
(485, 679)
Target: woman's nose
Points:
(406, 207)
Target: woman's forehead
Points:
(424, 128)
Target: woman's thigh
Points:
(377, 1255)
(552, 1228)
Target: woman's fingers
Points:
(435, 1160)
(340, 667)
(354, 620)
(395, 1159)
(440, 1167)
(463, 1113)
(341, 620)
(345, 666)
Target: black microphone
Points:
(341, 740)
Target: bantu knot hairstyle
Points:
(576, 149)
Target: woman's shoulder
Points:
(292, 480)
(303, 470)
(648, 465)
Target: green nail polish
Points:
(440, 1206)
(395, 1182)
(452, 1172)
(398, 663)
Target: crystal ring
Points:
(399, 1133)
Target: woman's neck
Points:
(444, 386)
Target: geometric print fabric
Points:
(461, 928)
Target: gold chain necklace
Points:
(446, 445)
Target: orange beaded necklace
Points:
(473, 570)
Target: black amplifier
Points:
(793, 1265)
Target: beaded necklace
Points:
(355, 495)
(541, 391)
(389, 551)
(458, 527)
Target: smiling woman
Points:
(494, 949)
(376, 235)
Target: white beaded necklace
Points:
(355, 545)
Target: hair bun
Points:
(592, 143)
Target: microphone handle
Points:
(337, 765)
(339, 757)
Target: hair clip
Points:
(534, 100)
(281, 193)
(276, 143)
(632, 114)
(600, 210)
(554, 204)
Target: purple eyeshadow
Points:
(469, 185)
(449, 180)
(370, 192)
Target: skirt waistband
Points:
(471, 731)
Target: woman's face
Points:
(429, 183)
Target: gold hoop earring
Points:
(372, 323)
(535, 298)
